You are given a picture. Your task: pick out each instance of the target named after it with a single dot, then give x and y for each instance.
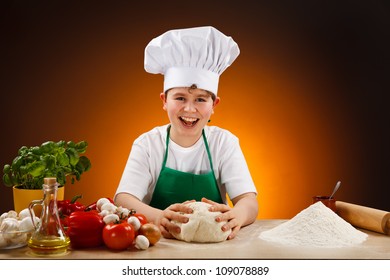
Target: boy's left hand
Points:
(228, 215)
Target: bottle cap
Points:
(50, 181)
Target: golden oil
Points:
(49, 246)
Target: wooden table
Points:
(247, 245)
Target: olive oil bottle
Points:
(49, 237)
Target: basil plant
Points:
(61, 159)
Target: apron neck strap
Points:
(208, 150)
(166, 146)
(204, 140)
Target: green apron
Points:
(175, 186)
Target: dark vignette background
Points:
(307, 96)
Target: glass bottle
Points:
(49, 237)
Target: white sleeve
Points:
(136, 177)
(233, 169)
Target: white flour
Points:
(316, 226)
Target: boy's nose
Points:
(190, 107)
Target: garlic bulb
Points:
(24, 213)
(27, 224)
(8, 228)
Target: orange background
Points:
(305, 96)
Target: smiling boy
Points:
(187, 159)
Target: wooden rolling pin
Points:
(364, 217)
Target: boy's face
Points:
(188, 110)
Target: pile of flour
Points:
(316, 226)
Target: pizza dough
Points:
(201, 226)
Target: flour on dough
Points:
(201, 226)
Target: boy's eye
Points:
(201, 100)
(179, 98)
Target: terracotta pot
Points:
(23, 197)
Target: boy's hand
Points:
(227, 215)
(174, 212)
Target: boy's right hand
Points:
(174, 212)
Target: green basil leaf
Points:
(17, 162)
(7, 168)
(61, 144)
(73, 156)
(36, 150)
(70, 144)
(63, 159)
(7, 180)
(50, 161)
(35, 169)
(81, 147)
(48, 147)
(85, 162)
(22, 150)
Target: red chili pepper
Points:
(92, 206)
(66, 207)
(76, 206)
(85, 229)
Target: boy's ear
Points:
(216, 101)
(164, 100)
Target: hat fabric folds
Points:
(193, 56)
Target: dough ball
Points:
(201, 226)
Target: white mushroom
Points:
(133, 220)
(122, 212)
(111, 218)
(109, 207)
(101, 202)
(104, 213)
(141, 242)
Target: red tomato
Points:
(142, 219)
(151, 231)
(118, 236)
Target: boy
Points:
(187, 160)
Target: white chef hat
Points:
(193, 56)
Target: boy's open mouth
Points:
(188, 121)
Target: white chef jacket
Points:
(144, 164)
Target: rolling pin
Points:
(364, 217)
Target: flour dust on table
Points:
(316, 226)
